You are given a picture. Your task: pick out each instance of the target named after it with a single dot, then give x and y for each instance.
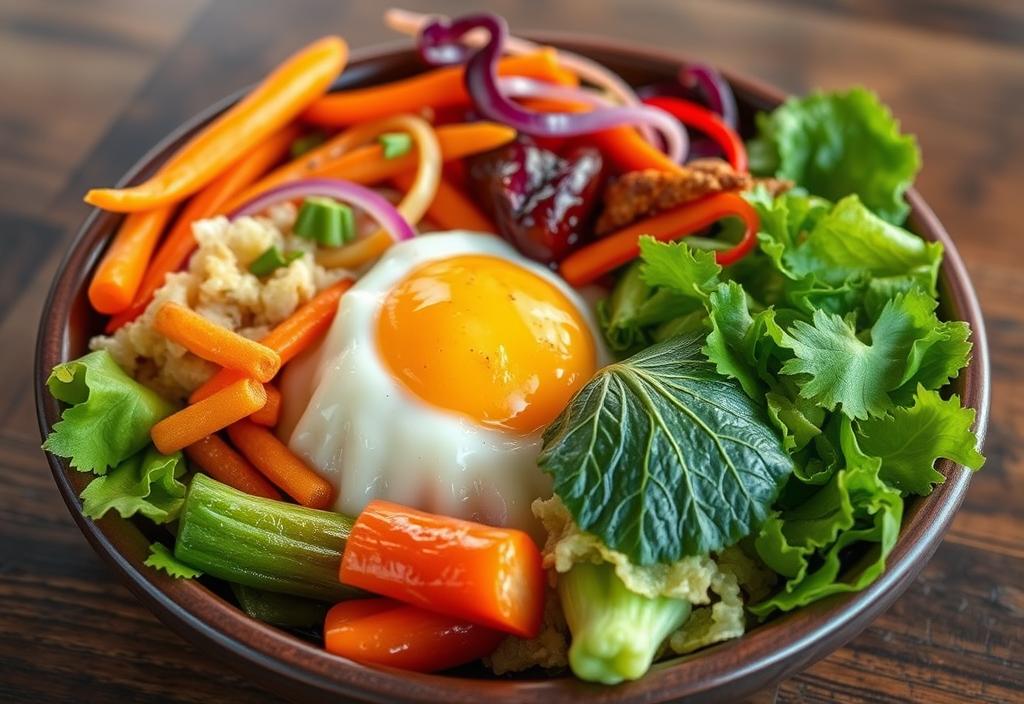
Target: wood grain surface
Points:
(89, 86)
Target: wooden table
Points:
(89, 86)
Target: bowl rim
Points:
(294, 667)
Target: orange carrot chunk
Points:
(120, 273)
(485, 575)
(271, 412)
(179, 243)
(217, 344)
(282, 95)
(386, 632)
(216, 458)
(195, 422)
(290, 338)
(280, 465)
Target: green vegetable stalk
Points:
(262, 543)
(280, 609)
(616, 633)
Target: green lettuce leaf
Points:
(785, 220)
(110, 413)
(910, 440)
(661, 457)
(678, 267)
(161, 558)
(835, 144)
(806, 543)
(851, 242)
(836, 367)
(145, 483)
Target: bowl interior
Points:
(299, 670)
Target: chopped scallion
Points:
(395, 144)
(307, 143)
(325, 221)
(272, 260)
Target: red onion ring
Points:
(439, 45)
(716, 90)
(374, 204)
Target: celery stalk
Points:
(616, 633)
(262, 543)
(280, 609)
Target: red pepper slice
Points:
(693, 115)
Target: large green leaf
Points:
(661, 457)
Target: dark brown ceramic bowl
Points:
(299, 670)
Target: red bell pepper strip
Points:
(589, 263)
(477, 573)
(390, 633)
(693, 115)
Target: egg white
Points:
(350, 420)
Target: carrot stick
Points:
(216, 344)
(216, 458)
(385, 632)
(410, 555)
(282, 95)
(589, 263)
(120, 272)
(450, 209)
(179, 243)
(366, 164)
(271, 412)
(629, 151)
(439, 88)
(195, 422)
(280, 465)
(304, 327)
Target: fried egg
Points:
(442, 367)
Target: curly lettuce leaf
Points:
(161, 558)
(661, 457)
(835, 144)
(805, 544)
(145, 483)
(852, 242)
(678, 267)
(785, 220)
(835, 366)
(110, 413)
(910, 440)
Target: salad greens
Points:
(661, 457)
(162, 558)
(837, 144)
(146, 483)
(109, 414)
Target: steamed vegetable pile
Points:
(774, 392)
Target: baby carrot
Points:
(293, 335)
(411, 556)
(280, 465)
(282, 95)
(174, 251)
(195, 422)
(216, 458)
(450, 209)
(386, 632)
(442, 87)
(366, 164)
(589, 263)
(120, 272)
(271, 412)
(629, 151)
(217, 344)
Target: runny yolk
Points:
(486, 338)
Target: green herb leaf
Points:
(835, 144)
(910, 440)
(661, 457)
(676, 266)
(272, 260)
(395, 144)
(110, 414)
(146, 483)
(161, 558)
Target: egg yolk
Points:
(486, 338)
